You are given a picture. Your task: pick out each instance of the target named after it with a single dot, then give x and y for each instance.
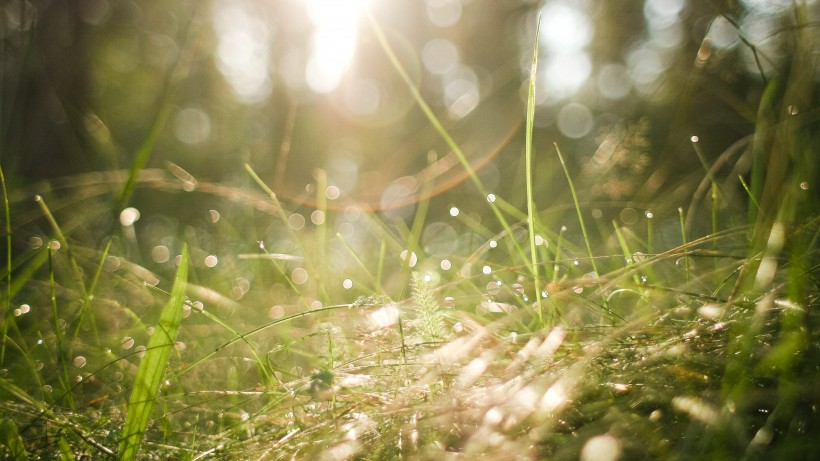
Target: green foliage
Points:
(662, 335)
(153, 366)
(430, 320)
(12, 444)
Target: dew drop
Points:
(299, 276)
(317, 217)
(79, 361)
(129, 216)
(214, 215)
(211, 261)
(347, 284)
(491, 198)
(296, 221)
(332, 192)
(35, 242)
(649, 215)
(793, 110)
(804, 185)
(493, 289)
(276, 312)
(487, 270)
(409, 257)
(449, 302)
(127, 342)
(694, 139)
(160, 254)
(445, 264)
(454, 211)
(493, 244)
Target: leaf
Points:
(11, 441)
(152, 367)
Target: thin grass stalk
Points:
(7, 314)
(62, 352)
(531, 211)
(682, 218)
(580, 219)
(433, 119)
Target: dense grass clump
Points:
(664, 330)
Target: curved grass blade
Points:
(152, 367)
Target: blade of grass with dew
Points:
(529, 164)
(433, 119)
(153, 365)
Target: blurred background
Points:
(303, 92)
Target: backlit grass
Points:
(253, 327)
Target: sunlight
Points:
(336, 26)
(565, 33)
(243, 50)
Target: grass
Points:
(659, 341)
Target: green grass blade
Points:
(7, 299)
(529, 164)
(152, 367)
(11, 441)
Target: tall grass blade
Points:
(529, 166)
(152, 367)
(7, 295)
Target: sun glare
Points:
(336, 27)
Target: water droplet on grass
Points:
(129, 216)
(79, 361)
(409, 257)
(347, 284)
(446, 264)
(127, 342)
(454, 211)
